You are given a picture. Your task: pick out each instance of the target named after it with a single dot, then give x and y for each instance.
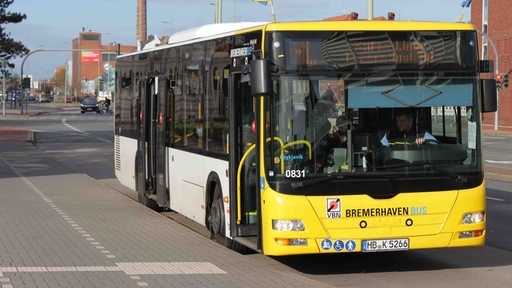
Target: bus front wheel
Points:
(217, 220)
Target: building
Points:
(90, 61)
(493, 18)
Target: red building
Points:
(89, 63)
(493, 18)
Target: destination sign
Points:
(355, 50)
(372, 52)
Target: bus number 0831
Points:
(295, 173)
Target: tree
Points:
(9, 48)
(59, 80)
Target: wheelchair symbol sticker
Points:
(338, 245)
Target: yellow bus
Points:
(276, 136)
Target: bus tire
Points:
(217, 219)
(217, 223)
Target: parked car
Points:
(45, 99)
(89, 104)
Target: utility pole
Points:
(4, 65)
(66, 82)
(218, 11)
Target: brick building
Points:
(496, 21)
(89, 63)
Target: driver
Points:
(405, 132)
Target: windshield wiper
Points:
(457, 177)
(432, 165)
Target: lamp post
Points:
(4, 65)
(66, 82)
(218, 11)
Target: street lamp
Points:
(66, 82)
(218, 11)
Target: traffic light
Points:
(354, 16)
(391, 16)
(26, 83)
(499, 80)
(505, 81)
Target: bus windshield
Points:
(325, 126)
(338, 98)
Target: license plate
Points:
(385, 245)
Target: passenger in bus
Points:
(405, 132)
(199, 133)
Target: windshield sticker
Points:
(292, 157)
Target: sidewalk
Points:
(502, 130)
(62, 228)
(15, 113)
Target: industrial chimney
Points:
(141, 22)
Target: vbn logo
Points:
(333, 207)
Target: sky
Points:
(53, 24)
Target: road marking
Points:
(103, 139)
(65, 123)
(129, 268)
(498, 162)
(496, 199)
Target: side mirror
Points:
(260, 77)
(489, 95)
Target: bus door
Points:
(243, 160)
(151, 174)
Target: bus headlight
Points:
(288, 225)
(475, 217)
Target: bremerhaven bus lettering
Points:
(375, 212)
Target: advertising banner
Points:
(90, 56)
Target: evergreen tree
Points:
(9, 48)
